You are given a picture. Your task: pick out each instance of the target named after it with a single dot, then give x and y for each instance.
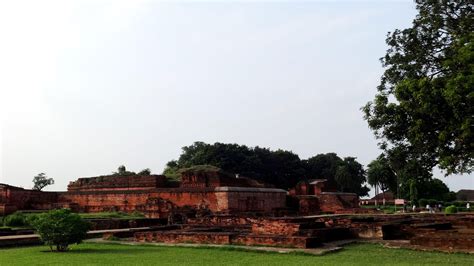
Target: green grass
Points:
(120, 215)
(116, 254)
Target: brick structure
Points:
(15, 198)
(314, 197)
(114, 182)
(202, 190)
(154, 195)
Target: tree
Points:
(145, 171)
(60, 228)
(323, 166)
(425, 102)
(350, 176)
(280, 168)
(122, 170)
(381, 174)
(41, 180)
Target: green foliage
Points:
(172, 170)
(323, 166)
(350, 177)
(118, 215)
(380, 173)
(451, 209)
(422, 202)
(424, 104)
(60, 228)
(16, 219)
(145, 171)
(122, 170)
(41, 180)
(280, 168)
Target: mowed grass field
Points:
(116, 254)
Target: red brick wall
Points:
(334, 201)
(113, 182)
(250, 199)
(308, 205)
(184, 237)
(25, 199)
(221, 200)
(94, 201)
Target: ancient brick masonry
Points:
(15, 198)
(314, 197)
(199, 192)
(153, 195)
(441, 232)
(127, 182)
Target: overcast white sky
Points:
(89, 85)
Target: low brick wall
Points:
(275, 240)
(220, 238)
(104, 224)
(275, 227)
(444, 241)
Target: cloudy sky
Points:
(89, 85)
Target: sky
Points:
(87, 86)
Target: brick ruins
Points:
(208, 191)
(216, 208)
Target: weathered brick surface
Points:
(275, 227)
(275, 240)
(445, 240)
(15, 198)
(117, 182)
(221, 238)
(335, 201)
(308, 205)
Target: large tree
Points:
(280, 168)
(323, 166)
(351, 176)
(380, 174)
(424, 103)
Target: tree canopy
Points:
(381, 174)
(60, 228)
(280, 168)
(40, 181)
(350, 177)
(424, 103)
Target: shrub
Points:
(60, 228)
(451, 209)
(15, 219)
(423, 202)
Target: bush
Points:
(15, 219)
(60, 228)
(451, 209)
(423, 202)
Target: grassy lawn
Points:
(116, 254)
